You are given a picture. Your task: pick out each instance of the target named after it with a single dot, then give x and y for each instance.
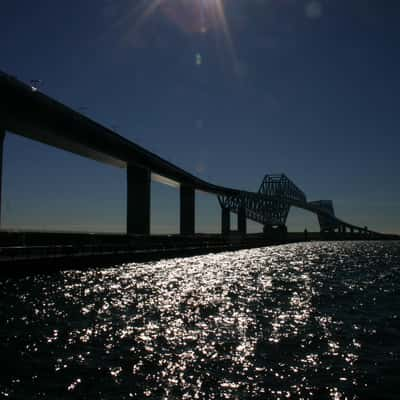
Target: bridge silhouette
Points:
(27, 112)
(270, 207)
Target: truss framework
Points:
(270, 206)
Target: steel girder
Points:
(326, 215)
(282, 186)
(266, 211)
(271, 205)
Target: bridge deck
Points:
(34, 115)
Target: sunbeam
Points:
(191, 17)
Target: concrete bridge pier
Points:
(187, 210)
(138, 200)
(2, 136)
(225, 221)
(242, 223)
(283, 233)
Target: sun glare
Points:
(191, 17)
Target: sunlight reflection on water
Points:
(314, 320)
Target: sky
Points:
(228, 90)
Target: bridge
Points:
(27, 112)
(270, 207)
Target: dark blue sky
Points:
(308, 88)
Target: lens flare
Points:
(190, 16)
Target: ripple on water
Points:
(314, 320)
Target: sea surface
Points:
(301, 321)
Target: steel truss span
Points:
(270, 206)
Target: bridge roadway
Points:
(34, 115)
(27, 112)
(335, 221)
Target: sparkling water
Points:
(300, 321)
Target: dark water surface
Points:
(311, 321)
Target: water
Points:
(311, 321)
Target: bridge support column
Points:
(2, 136)
(225, 220)
(138, 200)
(284, 233)
(268, 231)
(242, 225)
(187, 212)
